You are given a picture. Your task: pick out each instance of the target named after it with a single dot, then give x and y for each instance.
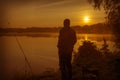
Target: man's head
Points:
(66, 23)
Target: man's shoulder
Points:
(72, 30)
(67, 30)
(62, 29)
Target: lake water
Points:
(41, 52)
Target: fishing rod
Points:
(28, 63)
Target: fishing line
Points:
(28, 63)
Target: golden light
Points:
(86, 19)
(86, 37)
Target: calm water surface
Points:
(40, 51)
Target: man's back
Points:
(67, 38)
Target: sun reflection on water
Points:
(86, 37)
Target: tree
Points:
(112, 9)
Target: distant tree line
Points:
(99, 28)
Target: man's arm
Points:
(74, 37)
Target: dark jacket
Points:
(67, 38)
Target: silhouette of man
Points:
(66, 41)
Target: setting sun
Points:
(86, 19)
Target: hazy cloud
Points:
(44, 2)
(31, 1)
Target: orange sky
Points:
(50, 13)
